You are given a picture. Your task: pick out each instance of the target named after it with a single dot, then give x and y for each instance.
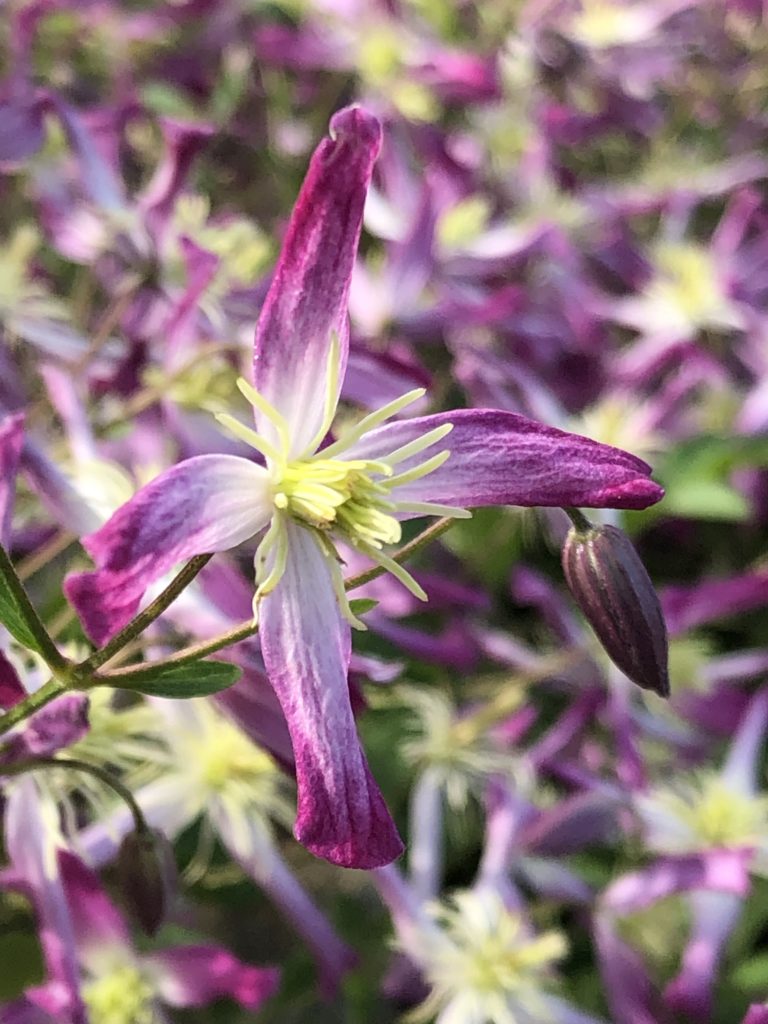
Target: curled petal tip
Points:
(356, 120)
(636, 494)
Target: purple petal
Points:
(307, 300)
(258, 856)
(686, 607)
(209, 503)
(198, 975)
(99, 179)
(23, 1011)
(30, 846)
(183, 140)
(21, 129)
(576, 822)
(500, 458)
(718, 870)
(95, 919)
(11, 690)
(60, 724)
(11, 441)
(757, 1014)
(306, 645)
(631, 995)
(715, 915)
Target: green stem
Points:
(407, 551)
(192, 653)
(53, 658)
(48, 691)
(581, 523)
(144, 619)
(36, 763)
(248, 628)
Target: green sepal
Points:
(361, 605)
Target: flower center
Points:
(711, 814)
(227, 760)
(721, 816)
(687, 282)
(484, 957)
(120, 996)
(327, 493)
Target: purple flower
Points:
(357, 489)
(93, 965)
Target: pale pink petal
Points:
(307, 300)
(501, 458)
(306, 644)
(209, 503)
(199, 975)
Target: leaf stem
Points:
(48, 691)
(247, 629)
(53, 658)
(142, 620)
(581, 523)
(102, 774)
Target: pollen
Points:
(333, 493)
(485, 963)
(706, 812)
(688, 283)
(120, 996)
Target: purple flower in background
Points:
(356, 489)
(95, 972)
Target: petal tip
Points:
(356, 120)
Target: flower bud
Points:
(611, 586)
(145, 873)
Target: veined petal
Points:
(306, 645)
(307, 300)
(501, 458)
(208, 503)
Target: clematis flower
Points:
(356, 489)
(96, 975)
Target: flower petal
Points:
(11, 689)
(11, 440)
(208, 503)
(306, 645)
(501, 458)
(31, 839)
(257, 854)
(96, 921)
(198, 975)
(307, 300)
(60, 724)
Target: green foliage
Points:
(697, 475)
(190, 679)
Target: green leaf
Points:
(13, 617)
(361, 605)
(189, 679)
(697, 476)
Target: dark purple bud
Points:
(609, 582)
(146, 875)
